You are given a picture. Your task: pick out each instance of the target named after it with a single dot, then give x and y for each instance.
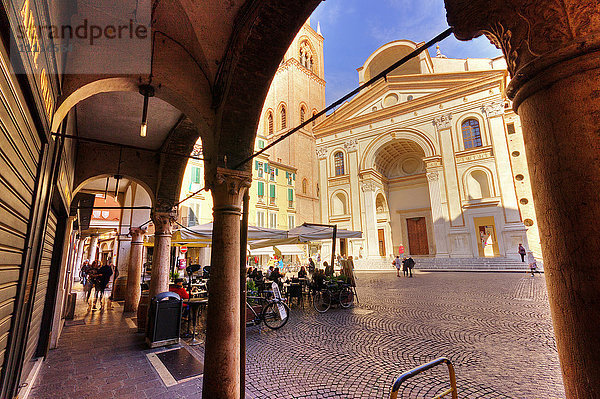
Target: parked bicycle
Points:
(273, 312)
(332, 293)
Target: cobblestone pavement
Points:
(495, 327)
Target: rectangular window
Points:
(511, 128)
(261, 189)
(196, 175)
(290, 197)
(291, 221)
(261, 144)
(259, 169)
(272, 220)
(260, 218)
(272, 194)
(272, 173)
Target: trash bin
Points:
(164, 320)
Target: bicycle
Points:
(275, 314)
(332, 293)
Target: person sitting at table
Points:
(328, 269)
(311, 266)
(302, 273)
(256, 275)
(183, 294)
(249, 271)
(269, 271)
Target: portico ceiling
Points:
(399, 157)
(116, 117)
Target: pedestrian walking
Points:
(102, 280)
(522, 252)
(396, 262)
(410, 263)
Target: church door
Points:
(381, 239)
(417, 236)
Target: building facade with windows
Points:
(429, 161)
(296, 94)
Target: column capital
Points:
(368, 186)
(534, 35)
(229, 188)
(163, 222)
(322, 152)
(351, 145)
(137, 234)
(433, 176)
(443, 121)
(493, 109)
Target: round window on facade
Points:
(528, 222)
(519, 177)
(524, 201)
(516, 153)
(390, 99)
(374, 109)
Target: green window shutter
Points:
(195, 175)
(261, 188)
(287, 175)
(272, 191)
(294, 176)
(266, 168)
(256, 165)
(276, 172)
(290, 194)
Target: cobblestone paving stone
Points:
(495, 327)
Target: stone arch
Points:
(315, 61)
(339, 203)
(303, 107)
(81, 185)
(422, 140)
(380, 202)
(282, 110)
(269, 123)
(482, 128)
(480, 185)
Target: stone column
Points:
(439, 222)
(494, 112)
(78, 258)
(552, 51)
(134, 271)
(323, 193)
(93, 248)
(368, 188)
(443, 125)
(222, 350)
(161, 257)
(351, 147)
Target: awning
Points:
(203, 232)
(262, 251)
(308, 232)
(290, 249)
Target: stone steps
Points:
(450, 264)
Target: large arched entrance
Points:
(405, 186)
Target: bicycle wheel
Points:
(346, 297)
(275, 315)
(322, 301)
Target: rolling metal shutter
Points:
(40, 293)
(20, 149)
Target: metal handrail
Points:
(418, 370)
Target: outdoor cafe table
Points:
(195, 304)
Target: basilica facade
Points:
(428, 162)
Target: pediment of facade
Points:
(386, 99)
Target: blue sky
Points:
(353, 29)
